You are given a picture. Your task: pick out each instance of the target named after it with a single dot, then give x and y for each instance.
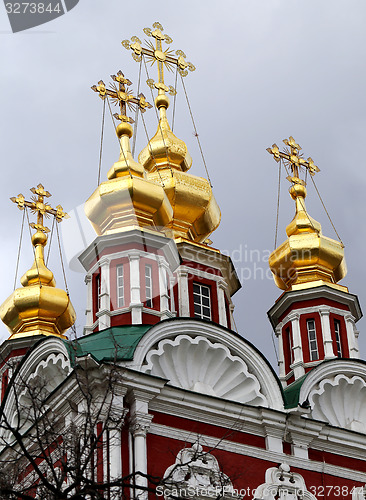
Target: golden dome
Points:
(128, 198)
(39, 308)
(166, 159)
(306, 258)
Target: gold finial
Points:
(40, 207)
(39, 308)
(121, 95)
(156, 54)
(293, 159)
(307, 258)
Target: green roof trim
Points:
(112, 344)
(292, 393)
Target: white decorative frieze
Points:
(341, 401)
(284, 484)
(199, 365)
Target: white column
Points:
(298, 364)
(171, 282)
(115, 454)
(183, 295)
(163, 289)
(89, 302)
(326, 332)
(221, 302)
(139, 426)
(351, 336)
(136, 305)
(281, 354)
(104, 317)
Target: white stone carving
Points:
(283, 484)
(197, 474)
(199, 365)
(341, 401)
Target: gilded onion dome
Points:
(39, 308)
(127, 199)
(196, 213)
(166, 158)
(307, 258)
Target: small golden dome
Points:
(165, 150)
(39, 308)
(128, 198)
(196, 213)
(306, 258)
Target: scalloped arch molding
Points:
(197, 364)
(341, 401)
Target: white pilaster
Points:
(104, 318)
(163, 289)
(298, 364)
(89, 301)
(351, 336)
(221, 287)
(183, 295)
(281, 354)
(326, 332)
(136, 305)
(139, 426)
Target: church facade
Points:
(190, 408)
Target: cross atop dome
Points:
(40, 207)
(121, 95)
(156, 54)
(293, 159)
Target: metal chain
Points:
(278, 201)
(195, 131)
(136, 113)
(157, 116)
(175, 98)
(34, 250)
(120, 146)
(101, 142)
(20, 245)
(326, 211)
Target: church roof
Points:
(112, 344)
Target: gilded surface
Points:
(39, 308)
(306, 257)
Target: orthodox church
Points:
(194, 404)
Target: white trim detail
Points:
(340, 401)
(237, 347)
(199, 365)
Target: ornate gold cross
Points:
(293, 159)
(121, 95)
(40, 207)
(161, 57)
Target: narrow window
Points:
(313, 344)
(290, 346)
(337, 331)
(120, 287)
(148, 286)
(202, 301)
(98, 290)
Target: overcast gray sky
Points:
(265, 70)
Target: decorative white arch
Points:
(50, 361)
(336, 392)
(195, 355)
